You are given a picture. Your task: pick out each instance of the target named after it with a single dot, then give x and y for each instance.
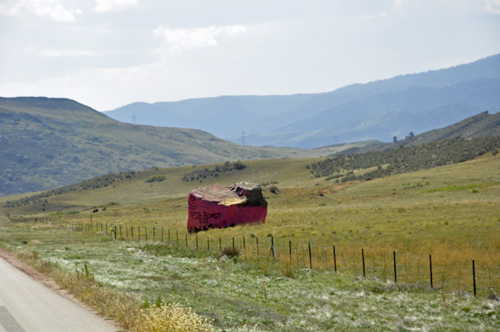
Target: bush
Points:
(205, 172)
(155, 178)
(231, 252)
(273, 189)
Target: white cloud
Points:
(183, 39)
(56, 53)
(51, 9)
(493, 6)
(115, 5)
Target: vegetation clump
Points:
(171, 317)
(155, 178)
(205, 172)
(403, 160)
(230, 252)
(273, 189)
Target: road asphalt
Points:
(28, 306)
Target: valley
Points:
(448, 212)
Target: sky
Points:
(109, 53)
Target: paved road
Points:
(28, 306)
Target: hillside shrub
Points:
(273, 189)
(155, 178)
(408, 159)
(203, 173)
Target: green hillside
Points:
(48, 143)
(480, 125)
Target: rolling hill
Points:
(47, 143)
(375, 110)
(479, 125)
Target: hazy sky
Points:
(108, 53)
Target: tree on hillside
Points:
(394, 139)
(411, 134)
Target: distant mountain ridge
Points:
(310, 120)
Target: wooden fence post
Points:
(334, 260)
(363, 259)
(430, 269)
(395, 271)
(310, 257)
(474, 276)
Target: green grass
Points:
(408, 213)
(247, 293)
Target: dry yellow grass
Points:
(171, 317)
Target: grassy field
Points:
(450, 212)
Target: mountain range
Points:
(376, 110)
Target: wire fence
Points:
(478, 277)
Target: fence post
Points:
(186, 240)
(474, 276)
(146, 232)
(233, 243)
(334, 260)
(273, 250)
(126, 231)
(290, 250)
(177, 239)
(154, 235)
(208, 243)
(196, 242)
(257, 241)
(120, 230)
(310, 257)
(115, 232)
(162, 234)
(395, 271)
(132, 231)
(169, 236)
(363, 259)
(430, 269)
(244, 243)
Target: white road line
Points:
(8, 322)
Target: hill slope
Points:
(479, 125)
(47, 143)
